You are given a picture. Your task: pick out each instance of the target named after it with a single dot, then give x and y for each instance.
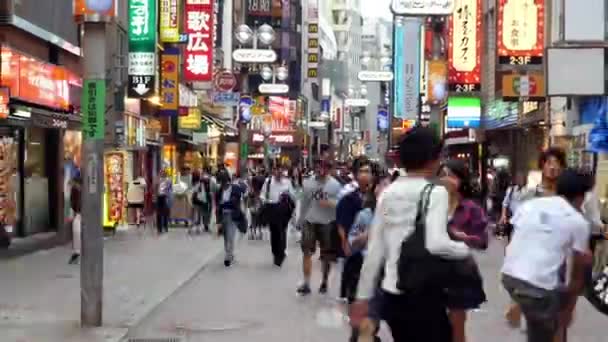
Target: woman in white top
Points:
(421, 316)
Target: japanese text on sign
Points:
(520, 30)
(169, 21)
(464, 48)
(199, 49)
(93, 107)
(140, 18)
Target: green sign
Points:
(93, 109)
(142, 48)
(142, 25)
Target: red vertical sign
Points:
(464, 47)
(198, 63)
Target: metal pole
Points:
(243, 132)
(91, 266)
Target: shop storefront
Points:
(32, 183)
(284, 147)
(123, 165)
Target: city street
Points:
(255, 301)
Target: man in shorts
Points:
(317, 217)
(548, 231)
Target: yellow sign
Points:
(169, 21)
(192, 120)
(169, 84)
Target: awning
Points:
(222, 126)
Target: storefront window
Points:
(9, 180)
(36, 182)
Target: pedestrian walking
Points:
(229, 212)
(317, 217)
(511, 202)
(202, 202)
(278, 195)
(548, 231)
(76, 204)
(164, 192)
(551, 163)
(467, 222)
(347, 209)
(409, 240)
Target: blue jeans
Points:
(229, 232)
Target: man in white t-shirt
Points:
(547, 232)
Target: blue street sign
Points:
(245, 104)
(383, 120)
(228, 99)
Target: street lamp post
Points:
(272, 73)
(245, 35)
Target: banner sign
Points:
(93, 109)
(312, 40)
(192, 121)
(520, 39)
(409, 69)
(142, 48)
(169, 21)
(169, 76)
(198, 63)
(464, 47)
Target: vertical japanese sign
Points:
(169, 82)
(93, 109)
(409, 94)
(169, 21)
(312, 40)
(142, 48)
(398, 40)
(464, 47)
(198, 65)
(521, 29)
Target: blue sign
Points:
(598, 137)
(228, 99)
(183, 38)
(325, 106)
(382, 120)
(461, 122)
(245, 104)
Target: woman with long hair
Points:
(467, 222)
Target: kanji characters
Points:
(198, 64)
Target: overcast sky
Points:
(376, 8)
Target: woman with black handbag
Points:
(409, 240)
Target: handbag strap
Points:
(423, 207)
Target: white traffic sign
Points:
(254, 56)
(357, 102)
(273, 88)
(422, 7)
(141, 89)
(375, 76)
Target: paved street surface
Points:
(254, 301)
(40, 293)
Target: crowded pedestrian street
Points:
(303, 170)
